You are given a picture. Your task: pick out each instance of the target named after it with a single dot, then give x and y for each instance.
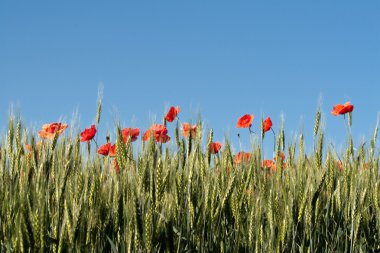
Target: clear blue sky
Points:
(222, 58)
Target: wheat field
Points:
(62, 197)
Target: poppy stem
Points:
(179, 120)
(250, 131)
(97, 146)
(274, 137)
(238, 135)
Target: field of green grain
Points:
(63, 197)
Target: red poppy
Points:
(215, 147)
(245, 121)
(30, 148)
(112, 151)
(267, 124)
(269, 164)
(187, 128)
(242, 156)
(159, 132)
(130, 132)
(115, 165)
(172, 113)
(107, 149)
(163, 138)
(146, 135)
(48, 130)
(88, 133)
(339, 164)
(104, 149)
(282, 155)
(342, 109)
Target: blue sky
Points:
(220, 58)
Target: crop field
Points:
(182, 191)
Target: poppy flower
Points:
(340, 109)
(48, 130)
(215, 147)
(88, 133)
(245, 121)
(159, 132)
(172, 113)
(146, 135)
(267, 124)
(269, 164)
(115, 165)
(130, 132)
(242, 156)
(112, 151)
(282, 155)
(30, 148)
(339, 164)
(104, 149)
(187, 128)
(163, 138)
(107, 149)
